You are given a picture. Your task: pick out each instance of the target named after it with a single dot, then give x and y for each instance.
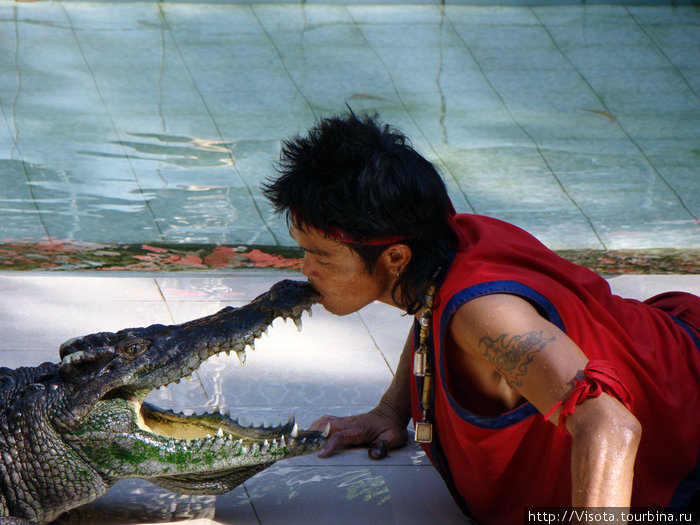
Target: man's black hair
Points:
(353, 174)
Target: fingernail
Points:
(379, 449)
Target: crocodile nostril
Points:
(70, 346)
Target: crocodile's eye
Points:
(133, 348)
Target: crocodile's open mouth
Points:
(213, 426)
(208, 453)
(170, 424)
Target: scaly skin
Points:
(69, 431)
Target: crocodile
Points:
(72, 429)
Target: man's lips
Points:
(320, 299)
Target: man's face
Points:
(339, 274)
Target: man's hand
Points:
(381, 428)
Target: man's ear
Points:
(396, 257)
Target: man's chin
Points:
(333, 308)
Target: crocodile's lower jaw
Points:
(179, 426)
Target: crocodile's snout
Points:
(77, 344)
(83, 343)
(290, 295)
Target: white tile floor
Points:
(337, 365)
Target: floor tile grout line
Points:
(661, 51)
(297, 87)
(251, 503)
(14, 128)
(376, 345)
(18, 72)
(538, 149)
(161, 74)
(408, 112)
(164, 20)
(617, 121)
(163, 299)
(438, 84)
(174, 321)
(113, 125)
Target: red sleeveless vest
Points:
(496, 467)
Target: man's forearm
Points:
(605, 440)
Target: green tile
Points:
(383, 14)
(124, 112)
(557, 229)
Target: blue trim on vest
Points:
(686, 489)
(436, 451)
(687, 329)
(690, 484)
(493, 287)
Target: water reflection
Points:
(361, 483)
(184, 152)
(138, 501)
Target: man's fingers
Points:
(323, 421)
(379, 449)
(359, 430)
(334, 442)
(389, 439)
(354, 434)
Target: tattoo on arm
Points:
(512, 354)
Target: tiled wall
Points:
(490, 3)
(146, 122)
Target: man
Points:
(529, 383)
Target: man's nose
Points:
(305, 266)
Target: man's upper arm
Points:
(535, 357)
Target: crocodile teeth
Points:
(241, 356)
(326, 431)
(297, 322)
(220, 432)
(295, 431)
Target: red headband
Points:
(341, 236)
